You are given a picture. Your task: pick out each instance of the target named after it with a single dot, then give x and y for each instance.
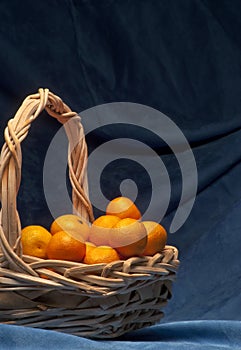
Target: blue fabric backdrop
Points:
(182, 58)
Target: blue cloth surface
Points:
(209, 278)
(186, 335)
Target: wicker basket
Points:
(95, 301)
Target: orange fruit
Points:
(100, 229)
(72, 224)
(123, 207)
(89, 246)
(101, 254)
(35, 240)
(128, 237)
(156, 237)
(63, 246)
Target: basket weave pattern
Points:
(99, 301)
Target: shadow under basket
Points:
(94, 301)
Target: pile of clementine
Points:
(119, 234)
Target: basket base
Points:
(100, 317)
(91, 301)
(113, 328)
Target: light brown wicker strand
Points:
(11, 160)
(77, 158)
(78, 155)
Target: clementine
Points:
(35, 240)
(100, 229)
(72, 224)
(101, 254)
(128, 237)
(123, 207)
(63, 246)
(89, 246)
(156, 237)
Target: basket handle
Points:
(11, 160)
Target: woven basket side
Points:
(11, 162)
